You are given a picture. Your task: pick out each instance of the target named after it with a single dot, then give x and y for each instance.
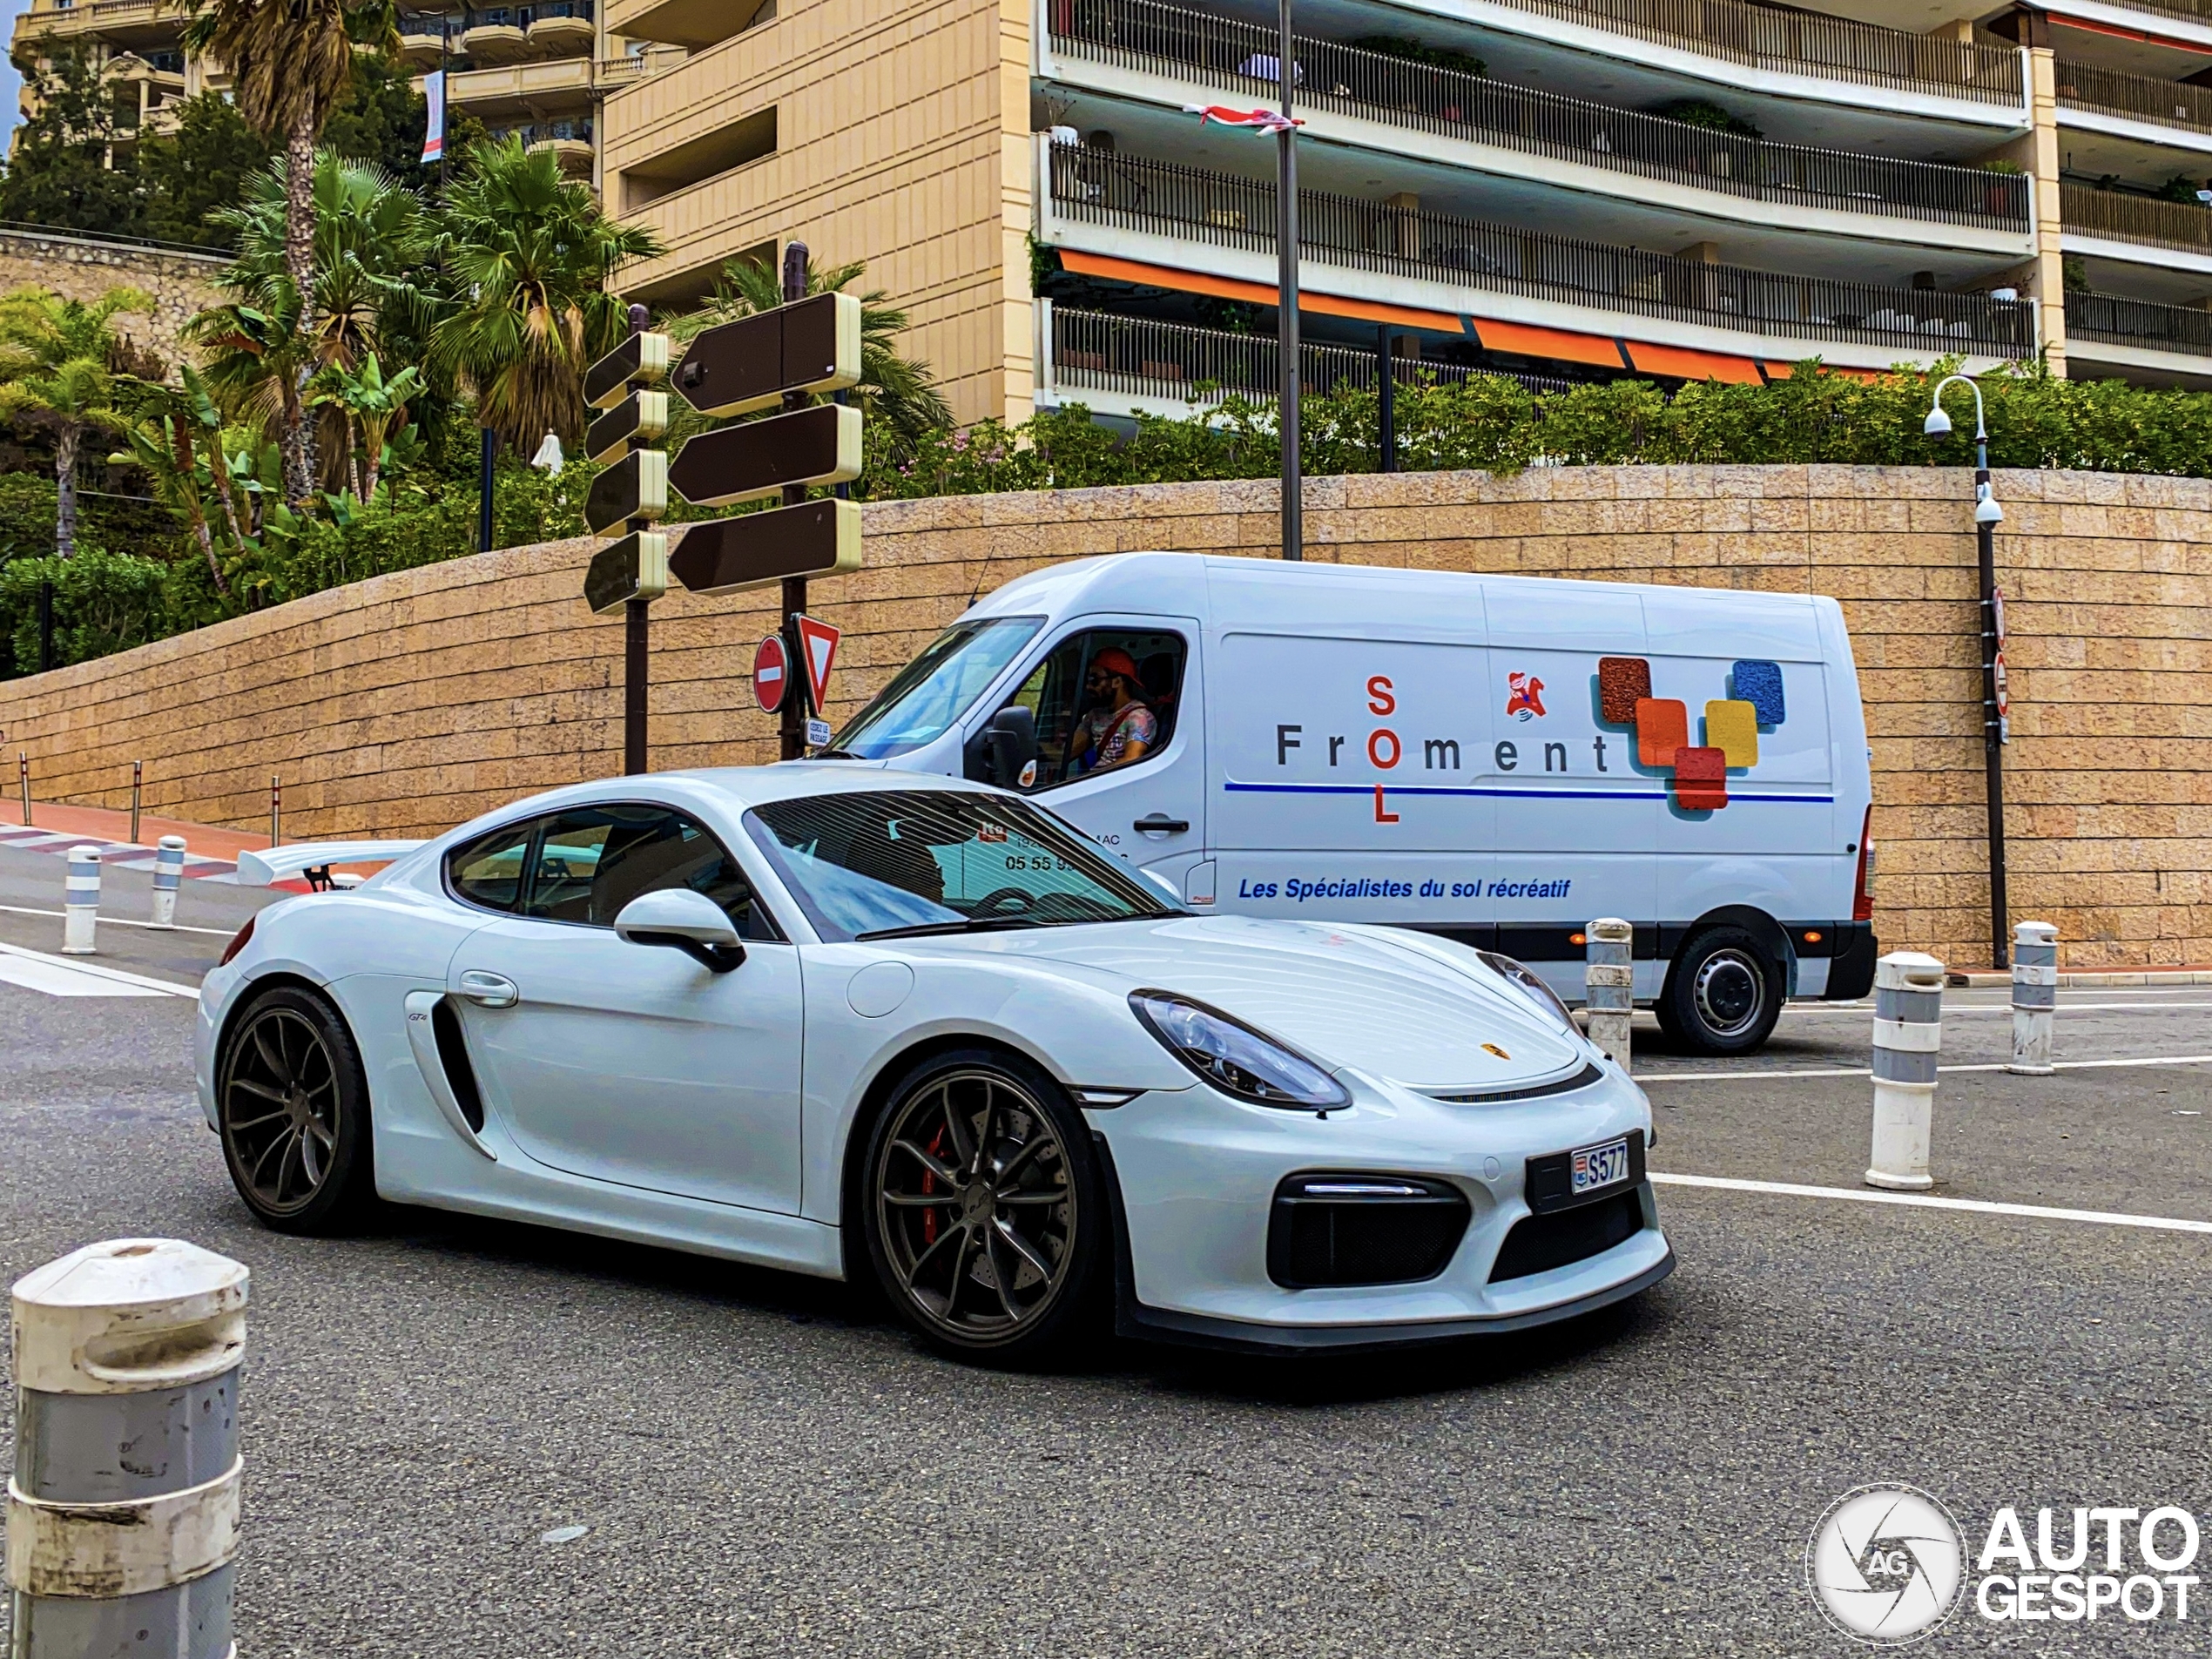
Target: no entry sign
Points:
(771, 673)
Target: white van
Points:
(1497, 759)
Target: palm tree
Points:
(59, 360)
(899, 393)
(374, 291)
(259, 363)
(534, 254)
(290, 63)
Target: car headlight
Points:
(1530, 984)
(1234, 1058)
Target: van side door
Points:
(1121, 736)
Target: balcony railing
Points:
(2119, 322)
(1222, 52)
(2088, 86)
(1801, 43)
(1138, 357)
(1229, 211)
(546, 132)
(2135, 219)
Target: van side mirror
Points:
(1010, 740)
(682, 920)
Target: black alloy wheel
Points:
(292, 1104)
(985, 1213)
(1723, 994)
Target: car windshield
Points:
(939, 861)
(928, 694)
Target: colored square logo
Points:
(1733, 728)
(1663, 728)
(1622, 682)
(1701, 779)
(1759, 683)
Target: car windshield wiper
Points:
(969, 925)
(835, 754)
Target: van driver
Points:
(1117, 730)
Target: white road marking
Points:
(63, 976)
(1867, 1071)
(1925, 1201)
(107, 920)
(1950, 1008)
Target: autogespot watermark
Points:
(1889, 1564)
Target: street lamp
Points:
(1987, 515)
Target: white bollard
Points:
(2035, 995)
(1608, 985)
(122, 1515)
(1908, 1037)
(81, 901)
(168, 876)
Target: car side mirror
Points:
(1010, 739)
(685, 921)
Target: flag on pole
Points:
(434, 133)
(1258, 120)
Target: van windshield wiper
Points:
(970, 925)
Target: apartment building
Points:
(537, 69)
(1562, 189)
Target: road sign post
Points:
(632, 496)
(810, 344)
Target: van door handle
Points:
(490, 990)
(1161, 824)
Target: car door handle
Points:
(490, 990)
(1161, 824)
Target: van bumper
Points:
(1851, 971)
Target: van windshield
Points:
(934, 690)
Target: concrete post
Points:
(2035, 995)
(1908, 1037)
(81, 901)
(168, 876)
(122, 1515)
(1608, 985)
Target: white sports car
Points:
(843, 1022)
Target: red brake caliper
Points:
(929, 1186)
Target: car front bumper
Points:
(1195, 1174)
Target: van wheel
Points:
(1723, 994)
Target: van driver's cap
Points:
(1114, 660)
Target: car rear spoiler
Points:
(314, 859)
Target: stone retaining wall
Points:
(82, 268)
(403, 705)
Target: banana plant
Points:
(373, 407)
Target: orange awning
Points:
(1259, 294)
(1529, 340)
(2142, 35)
(1684, 363)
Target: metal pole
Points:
(1386, 425)
(1286, 291)
(483, 492)
(636, 639)
(123, 1523)
(137, 778)
(276, 810)
(797, 705)
(22, 775)
(1993, 744)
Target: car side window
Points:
(488, 872)
(1103, 699)
(590, 861)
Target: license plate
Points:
(1598, 1166)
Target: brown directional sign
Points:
(759, 550)
(635, 487)
(642, 359)
(808, 345)
(637, 419)
(816, 446)
(634, 568)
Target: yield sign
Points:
(817, 649)
(771, 673)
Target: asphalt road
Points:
(767, 1466)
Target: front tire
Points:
(291, 1106)
(1723, 994)
(984, 1208)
